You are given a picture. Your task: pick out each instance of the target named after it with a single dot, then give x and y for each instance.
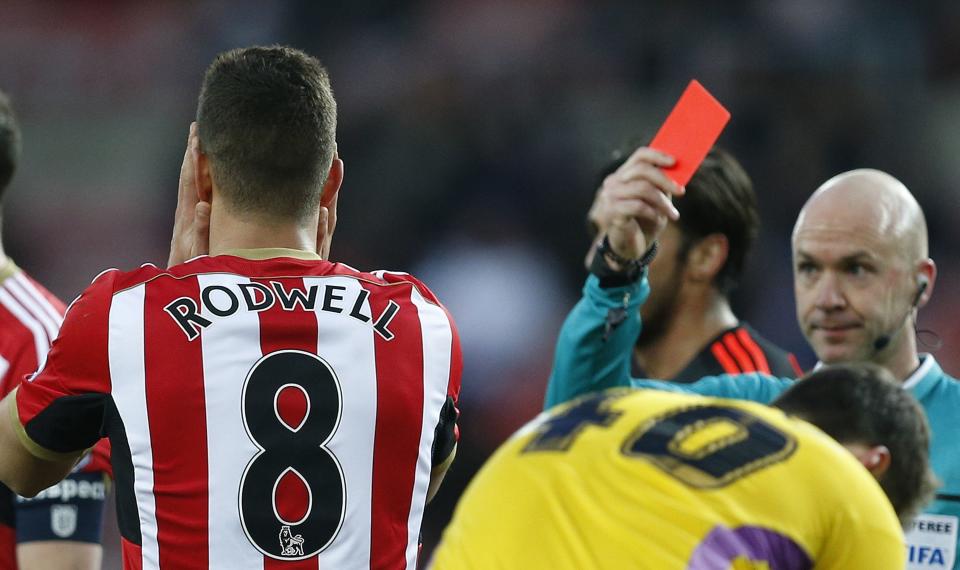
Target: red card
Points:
(690, 130)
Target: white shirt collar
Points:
(926, 363)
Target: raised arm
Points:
(630, 210)
(596, 341)
(595, 345)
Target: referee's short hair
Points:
(267, 122)
(9, 142)
(862, 403)
(719, 200)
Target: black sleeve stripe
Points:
(128, 516)
(69, 424)
(445, 434)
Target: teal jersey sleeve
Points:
(748, 386)
(590, 356)
(595, 348)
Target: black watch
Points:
(631, 270)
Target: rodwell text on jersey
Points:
(226, 300)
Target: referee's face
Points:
(852, 282)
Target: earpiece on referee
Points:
(883, 340)
(922, 283)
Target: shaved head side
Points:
(872, 203)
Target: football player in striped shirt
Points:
(689, 329)
(268, 408)
(61, 527)
(654, 480)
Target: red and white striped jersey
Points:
(273, 413)
(30, 317)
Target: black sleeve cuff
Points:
(69, 423)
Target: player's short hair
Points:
(267, 121)
(9, 142)
(719, 200)
(862, 403)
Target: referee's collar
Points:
(928, 364)
(272, 252)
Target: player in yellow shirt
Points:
(654, 480)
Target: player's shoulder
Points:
(935, 389)
(97, 297)
(806, 449)
(401, 277)
(114, 280)
(27, 308)
(641, 404)
(31, 292)
(283, 266)
(26, 301)
(386, 278)
(947, 388)
(931, 370)
(846, 488)
(657, 403)
(781, 362)
(814, 449)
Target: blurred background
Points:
(472, 132)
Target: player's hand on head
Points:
(191, 224)
(635, 202)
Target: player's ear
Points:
(876, 459)
(204, 180)
(707, 256)
(926, 277)
(328, 206)
(331, 188)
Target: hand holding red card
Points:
(690, 130)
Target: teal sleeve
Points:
(750, 386)
(589, 358)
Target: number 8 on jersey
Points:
(294, 487)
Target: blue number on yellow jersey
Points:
(643, 479)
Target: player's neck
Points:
(229, 232)
(697, 320)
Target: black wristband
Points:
(631, 270)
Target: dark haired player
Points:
(647, 479)
(689, 329)
(267, 408)
(61, 527)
